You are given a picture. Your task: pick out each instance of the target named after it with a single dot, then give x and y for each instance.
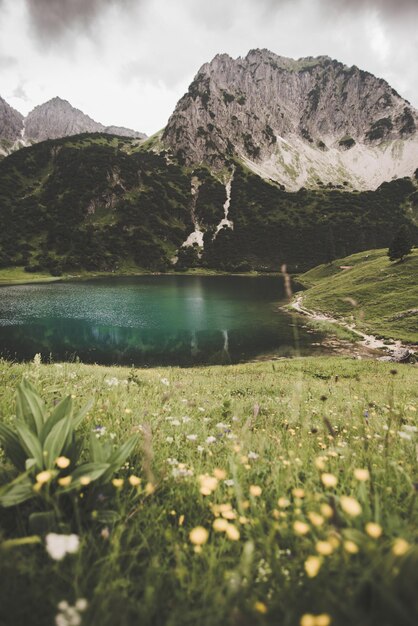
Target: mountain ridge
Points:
(299, 122)
(53, 119)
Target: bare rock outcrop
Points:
(306, 122)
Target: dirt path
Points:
(367, 341)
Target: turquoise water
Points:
(150, 320)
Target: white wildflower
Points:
(58, 546)
(112, 382)
(210, 439)
(165, 381)
(191, 437)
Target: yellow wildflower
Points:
(351, 547)
(117, 482)
(260, 607)
(312, 566)
(43, 477)
(220, 474)
(232, 532)
(350, 506)
(62, 462)
(400, 547)
(362, 474)
(220, 524)
(135, 481)
(64, 481)
(255, 491)
(373, 530)
(324, 547)
(283, 503)
(326, 510)
(329, 480)
(315, 519)
(199, 536)
(298, 493)
(85, 480)
(300, 528)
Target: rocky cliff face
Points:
(11, 125)
(306, 122)
(52, 120)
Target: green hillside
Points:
(380, 296)
(102, 203)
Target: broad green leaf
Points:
(98, 451)
(16, 493)
(12, 446)
(82, 412)
(43, 522)
(63, 409)
(30, 443)
(93, 471)
(107, 516)
(30, 406)
(120, 455)
(56, 441)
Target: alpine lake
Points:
(153, 320)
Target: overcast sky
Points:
(127, 62)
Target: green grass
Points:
(277, 426)
(17, 275)
(380, 296)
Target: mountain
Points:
(301, 123)
(11, 126)
(98, 202)
(51, 120)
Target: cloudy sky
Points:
(127, 62)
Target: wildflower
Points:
(373, 530)
(208, 484)
(255, 491)
(62, 462)
(112, 382)
(210, 439)
(350, 506)
(300, 528)
(37, 359)
(220, 524)
(324, 547)
(165, 381)
(351, 547)
(191, 437)
(64, 481)
(220, 474)
(312, 566)
(361, 474)
(149, 489)
(117, 483)
(410, 429)
(329, 480)
(326, 510)
(229, 482)
(260, 607)
(400, 547)
(320, 462)
(199, 536)
(135, 481)
(232, 532)
(298, 493)
(315, 519)
(283, 503)
(169, 439)
(58, 546)
(43, 477)
(404, 435)
(323, 620)
(253, 456)
(85, 480)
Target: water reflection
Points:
(149, 321)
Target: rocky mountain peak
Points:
(301, 122)
(11, 125)
(53, 119)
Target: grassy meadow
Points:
(379, 296)
(277, 493)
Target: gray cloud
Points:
(53, 18)
(7, 61)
